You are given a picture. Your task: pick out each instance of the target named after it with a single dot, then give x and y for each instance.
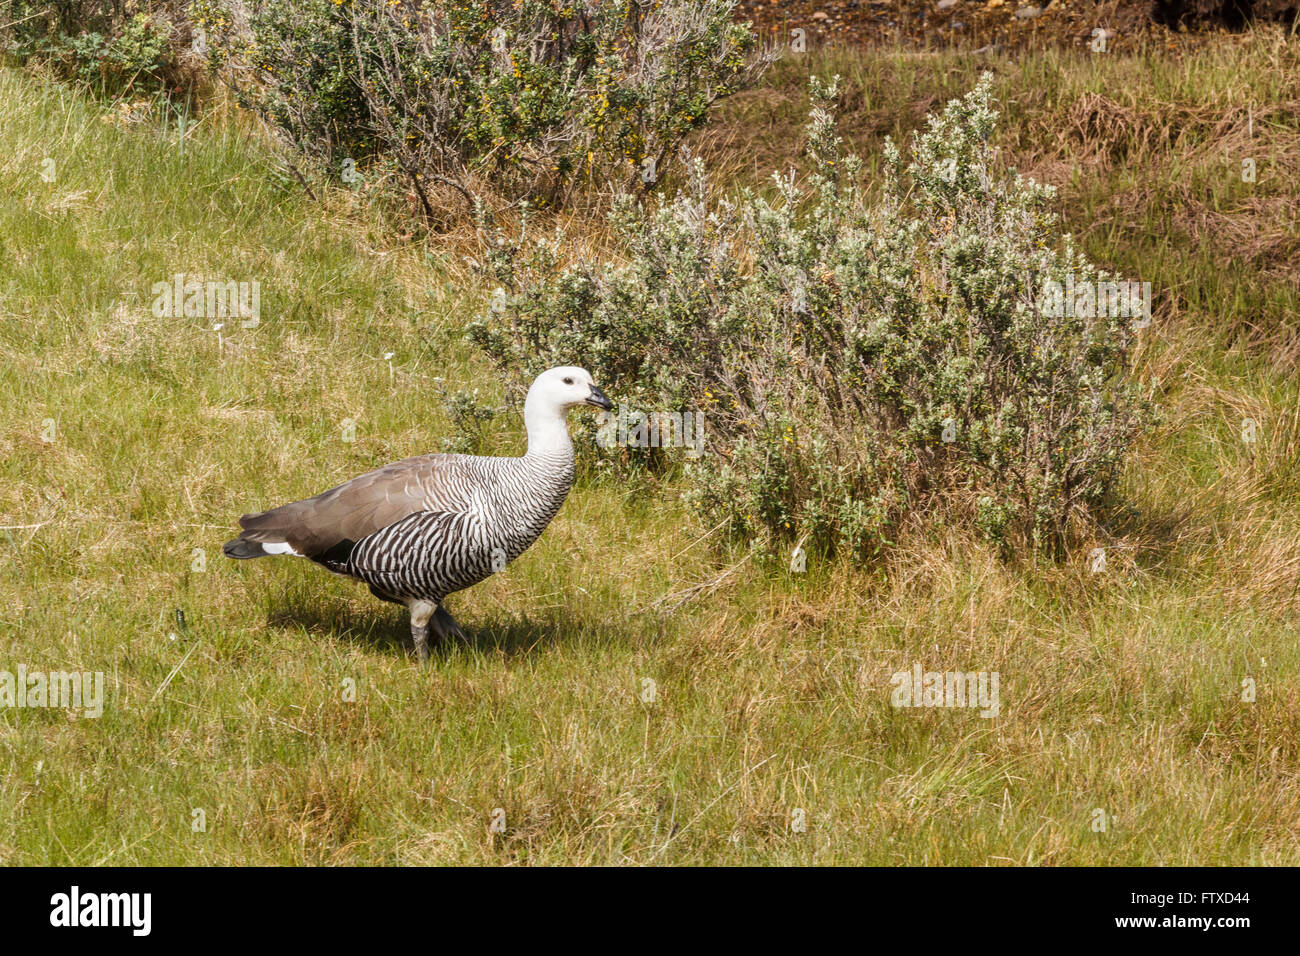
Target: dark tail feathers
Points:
(239, 548)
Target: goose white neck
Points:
(548, 432)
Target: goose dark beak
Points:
(599, 399)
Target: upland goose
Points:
(421, 528)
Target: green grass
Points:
(1119, 691)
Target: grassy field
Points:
(286, 709)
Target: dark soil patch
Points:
(1005, 24)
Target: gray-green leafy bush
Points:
(859, 360)
(112, 46)
(530, 98)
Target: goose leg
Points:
(446, 627)
(421, 611)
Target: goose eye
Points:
(568, 381)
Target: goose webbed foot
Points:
(421, 612)
(420, 637)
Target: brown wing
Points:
(361, 506)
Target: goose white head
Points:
(551, 396)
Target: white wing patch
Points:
(279, 547)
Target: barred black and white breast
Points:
(430, 554)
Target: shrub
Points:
(856, 361)
(532, 97)
(112, 46)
